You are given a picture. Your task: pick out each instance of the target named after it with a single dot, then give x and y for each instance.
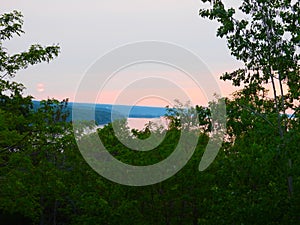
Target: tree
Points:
(21, 128)
(267, 41)
(13, 106)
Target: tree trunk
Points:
(280, 131)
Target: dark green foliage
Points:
(265, 37)
(45, 180)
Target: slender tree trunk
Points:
(289, 178)
(269, 32)
(280, 131)
(280, 128)
(282, 100)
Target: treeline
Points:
(45, 180)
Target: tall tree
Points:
(23, 133)
(265, 36)
(14, 107)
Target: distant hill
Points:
(103, 112)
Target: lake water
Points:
(139, 123)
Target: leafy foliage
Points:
(45, 180)
(267, 40)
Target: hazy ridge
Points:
(103, 112)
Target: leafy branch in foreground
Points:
(15, 108)
(10, 25)
(265, 37)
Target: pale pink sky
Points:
(88, 29)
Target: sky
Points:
(87, 30)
